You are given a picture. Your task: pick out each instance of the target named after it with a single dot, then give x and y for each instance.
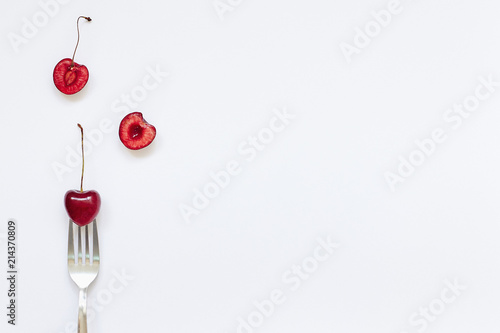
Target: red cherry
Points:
(135, 132)
(82, 207)
(70, 77)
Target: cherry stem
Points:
(78, 40)
(83, 160)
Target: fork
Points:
(82, 271)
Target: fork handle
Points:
(82, 311)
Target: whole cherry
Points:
(70, 77)
(82, 206)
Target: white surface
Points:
(321, 176)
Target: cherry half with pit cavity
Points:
(82, 206)
(70, 77)
(135, 132)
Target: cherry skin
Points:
(82, 207)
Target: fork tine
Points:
(71, 244)
(95, 241)
(87, 248)
(79, 230)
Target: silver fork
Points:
(82, 271)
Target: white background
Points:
(323, 176)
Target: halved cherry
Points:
(70, 77)
(135, 132)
